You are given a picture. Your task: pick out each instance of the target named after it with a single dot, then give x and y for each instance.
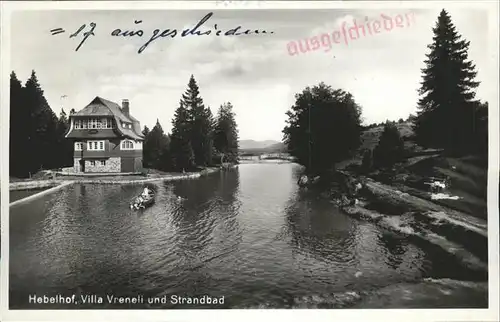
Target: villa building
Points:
(107, 138)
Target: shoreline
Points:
(40, 194)
(31, 184)
(55, 184)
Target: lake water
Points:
(247, 234)
(15, 195)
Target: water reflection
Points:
(317, 227)
(247, 234)
(205, 209)
(396, 248)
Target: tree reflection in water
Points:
(206, 227)
(396, 248)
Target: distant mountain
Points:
(268, 146)
(277, 147)
(252, 144)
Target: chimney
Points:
(125, 107)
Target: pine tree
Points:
(18, 132)
(390, 148)
(323, 128)
(155, 146)
(226, 134)
(41, 127)
(166, 163)
(446, 117)
(200, 124)
(480, 137)
(146, 148)
(181, 151)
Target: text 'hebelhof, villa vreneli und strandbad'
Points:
(326, 40)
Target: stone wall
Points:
(112, 165)
(68, 170)
(76, 165)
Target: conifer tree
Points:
(147, 150)
(166, 163)
(323, 128)
(200, 124)
(226, 134)
(481, 147)
(447, 109)
(181, 150)
(18, 133)
(41, 127)
(155, 145)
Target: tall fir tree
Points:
(200, 124)
(447, 108)
(146, 149)
(323, 128)
(43, 139)
(166, 163)
(155, 146)
(226, 134)
(482, 131)
(181, 151)
(18, 133)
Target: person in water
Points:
(146, 192)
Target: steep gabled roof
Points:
(103, 107)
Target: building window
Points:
(78, 146)
(93, 123)
(92, 163)
(126, 125)
(102, 162)
(107, 123)
(127, 145)
(95, 145)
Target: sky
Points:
(254, 72)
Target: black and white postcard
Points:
(295, 160)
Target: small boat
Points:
(141, 202)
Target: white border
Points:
(490, 314)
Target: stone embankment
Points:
(459, 234)
(154, 178)
(34, 184)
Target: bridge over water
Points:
(267, 156)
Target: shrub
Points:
(390, 149)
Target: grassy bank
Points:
(452, 219)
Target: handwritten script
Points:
(158, 33)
